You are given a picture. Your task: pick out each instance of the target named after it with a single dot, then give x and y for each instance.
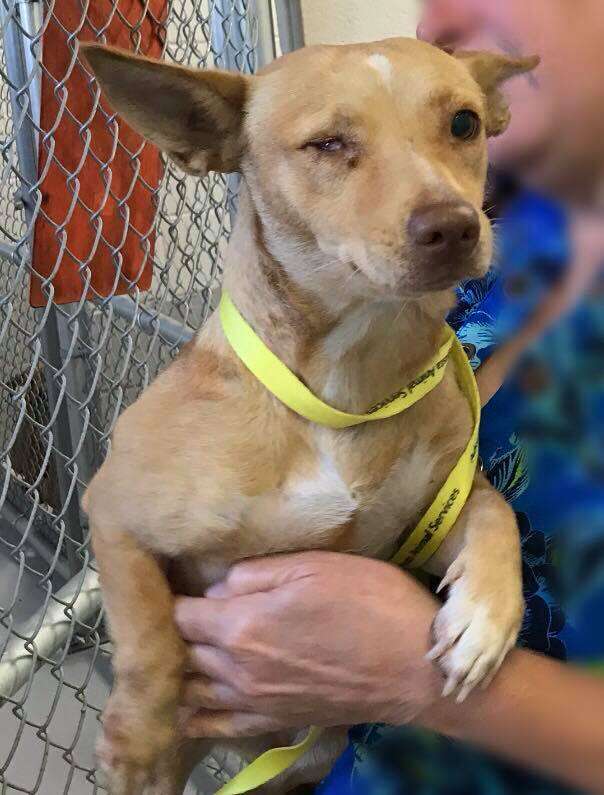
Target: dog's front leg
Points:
(481, 618)
(149, 657)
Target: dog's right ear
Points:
(491, 70)
(195, 116)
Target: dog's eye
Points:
(333, 144)
(465, 125)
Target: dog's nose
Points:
(444, 232)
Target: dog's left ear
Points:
(490, 70)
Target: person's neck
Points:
(352, 352)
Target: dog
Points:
(363, 172)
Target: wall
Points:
(341, 21)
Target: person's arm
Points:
(328, 639)
(539, 713)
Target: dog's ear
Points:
(195, 116)
(490, 70)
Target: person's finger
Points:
(203, 620)
(202, 692)
(265, 574)
(232, 724)
(212, 662)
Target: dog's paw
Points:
(119, 774)
(475, 629)
(130, 757)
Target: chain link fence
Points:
(68, 370)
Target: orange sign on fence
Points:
(97, 186)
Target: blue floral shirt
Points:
(542, 446)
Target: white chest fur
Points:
(312, 510)
(308, 508)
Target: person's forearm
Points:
(539, 713)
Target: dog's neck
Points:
(350, 351)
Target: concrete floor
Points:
(65, 702)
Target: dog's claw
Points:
(452, 574)
(438, 650)
(450, 686)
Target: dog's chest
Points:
(311, 505)
(346, 501)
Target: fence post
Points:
(289, 24)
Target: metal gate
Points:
(67, 371)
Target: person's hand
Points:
(314, 638)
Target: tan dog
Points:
(363, 174)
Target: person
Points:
(329, 639)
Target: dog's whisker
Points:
(354, 272)
(322, 267)
(400, 312)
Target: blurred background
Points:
(344, 22)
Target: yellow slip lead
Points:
(269, 765)
(284, 385)
(440, 517)
(434, 526)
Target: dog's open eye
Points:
(465, 125)
(333, 144)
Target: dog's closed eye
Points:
(331, 144)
